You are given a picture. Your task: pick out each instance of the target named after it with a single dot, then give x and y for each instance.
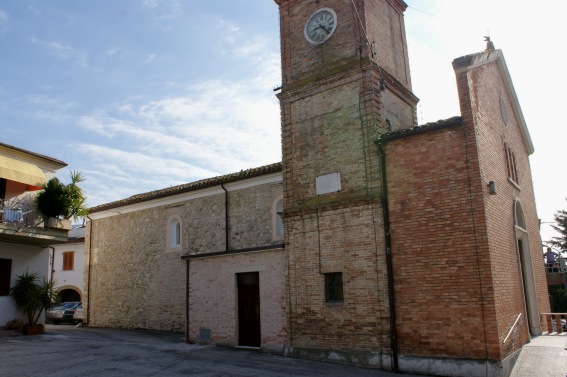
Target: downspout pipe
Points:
(187, 301)
(389, 264)
(227, 246)
(52, 263)
(89, 270)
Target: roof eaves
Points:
(428, 127)
(41, 156)
(192, 186)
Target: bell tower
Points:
(345, 80)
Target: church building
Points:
(376, 241)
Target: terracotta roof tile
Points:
(428, 127)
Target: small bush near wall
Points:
(14, 324)
(558, 299)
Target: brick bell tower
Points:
(345, 80)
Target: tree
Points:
(560, 242)
(53, 201)
(60, 200)
(77, 199)
(32, 296)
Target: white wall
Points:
(24, 257)
(71, 278)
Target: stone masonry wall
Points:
(136, 281)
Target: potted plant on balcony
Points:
(32, 296)
(58, 203)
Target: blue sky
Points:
(142, 95)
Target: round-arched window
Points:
(174, 233)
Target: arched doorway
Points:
(67, 295)
(526, 270)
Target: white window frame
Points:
(174, 233)
(277, 220)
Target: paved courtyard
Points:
(66, 351)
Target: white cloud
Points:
(34, 10)
(152, 3)
(113, 51)
(3, 15)
(49, 108)
(64, 51)
(164, 12)
(150, 58)
(222, 126)
(115, 174)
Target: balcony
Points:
(555, 272)
(21, 222)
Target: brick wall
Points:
(347, 239)
(213, 297)
(383, 23)
(442, 274)
(334, 103)
(488, 93)
(325, 131)
(457, 273)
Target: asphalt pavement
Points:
(69, 351)
(65, 351)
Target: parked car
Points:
(78, 314)
(62, 313)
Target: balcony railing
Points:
(20, 213)
(556, 322)
(555, 267)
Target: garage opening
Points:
(68, 295)
(248, 309)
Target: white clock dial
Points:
(321, 26)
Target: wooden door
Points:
(248, 309)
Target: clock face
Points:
(321, 26)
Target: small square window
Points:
(68, 261)
(334, 287)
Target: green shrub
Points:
(557, 299)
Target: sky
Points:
(143, 95)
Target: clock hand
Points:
(319, 26)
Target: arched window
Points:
(174, 233)
(278, 221)
(519, 216)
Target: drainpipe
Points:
(52, 262)
(225, 216)
(187, 301)
(389, 265)
(89, 269)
